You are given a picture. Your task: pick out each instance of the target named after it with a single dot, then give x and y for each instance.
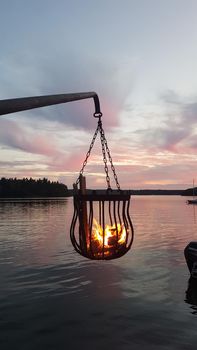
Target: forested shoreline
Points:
(13, 188)
(21, 188)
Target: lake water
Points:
(52, 298)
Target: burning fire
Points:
(113, 235)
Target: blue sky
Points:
(139, 56)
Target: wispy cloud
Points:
(178, 130)
(15, 136)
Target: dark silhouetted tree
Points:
(31, 188)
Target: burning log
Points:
(111, 241)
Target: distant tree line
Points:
(156, 192)
(147, 192)
(25, 187)
(190, 192)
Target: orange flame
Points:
(113, 235)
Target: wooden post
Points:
(84, 217)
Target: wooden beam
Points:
(84, 215)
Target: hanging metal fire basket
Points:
(101, 227)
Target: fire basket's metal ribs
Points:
(112, 208)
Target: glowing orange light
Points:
(113, 236)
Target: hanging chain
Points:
(105, 149)
(105, 146)
(88, 153)
(102, 137)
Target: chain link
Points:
(105, 149)
(102, 137)
(88, 153)
(105, 145)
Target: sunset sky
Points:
(140, 56)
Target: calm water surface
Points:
(52, 298)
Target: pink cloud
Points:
(15, 136)
(61, 162)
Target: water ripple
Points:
(51, 297)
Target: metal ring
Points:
(97, 115)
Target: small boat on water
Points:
(190, 253)
(192, 201)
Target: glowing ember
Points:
(113, 235)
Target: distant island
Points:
(156, 192)
(190, 192)
(23, 188)
(187, 192)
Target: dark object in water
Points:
(192, 201)
(191, 294)
(190, 253)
